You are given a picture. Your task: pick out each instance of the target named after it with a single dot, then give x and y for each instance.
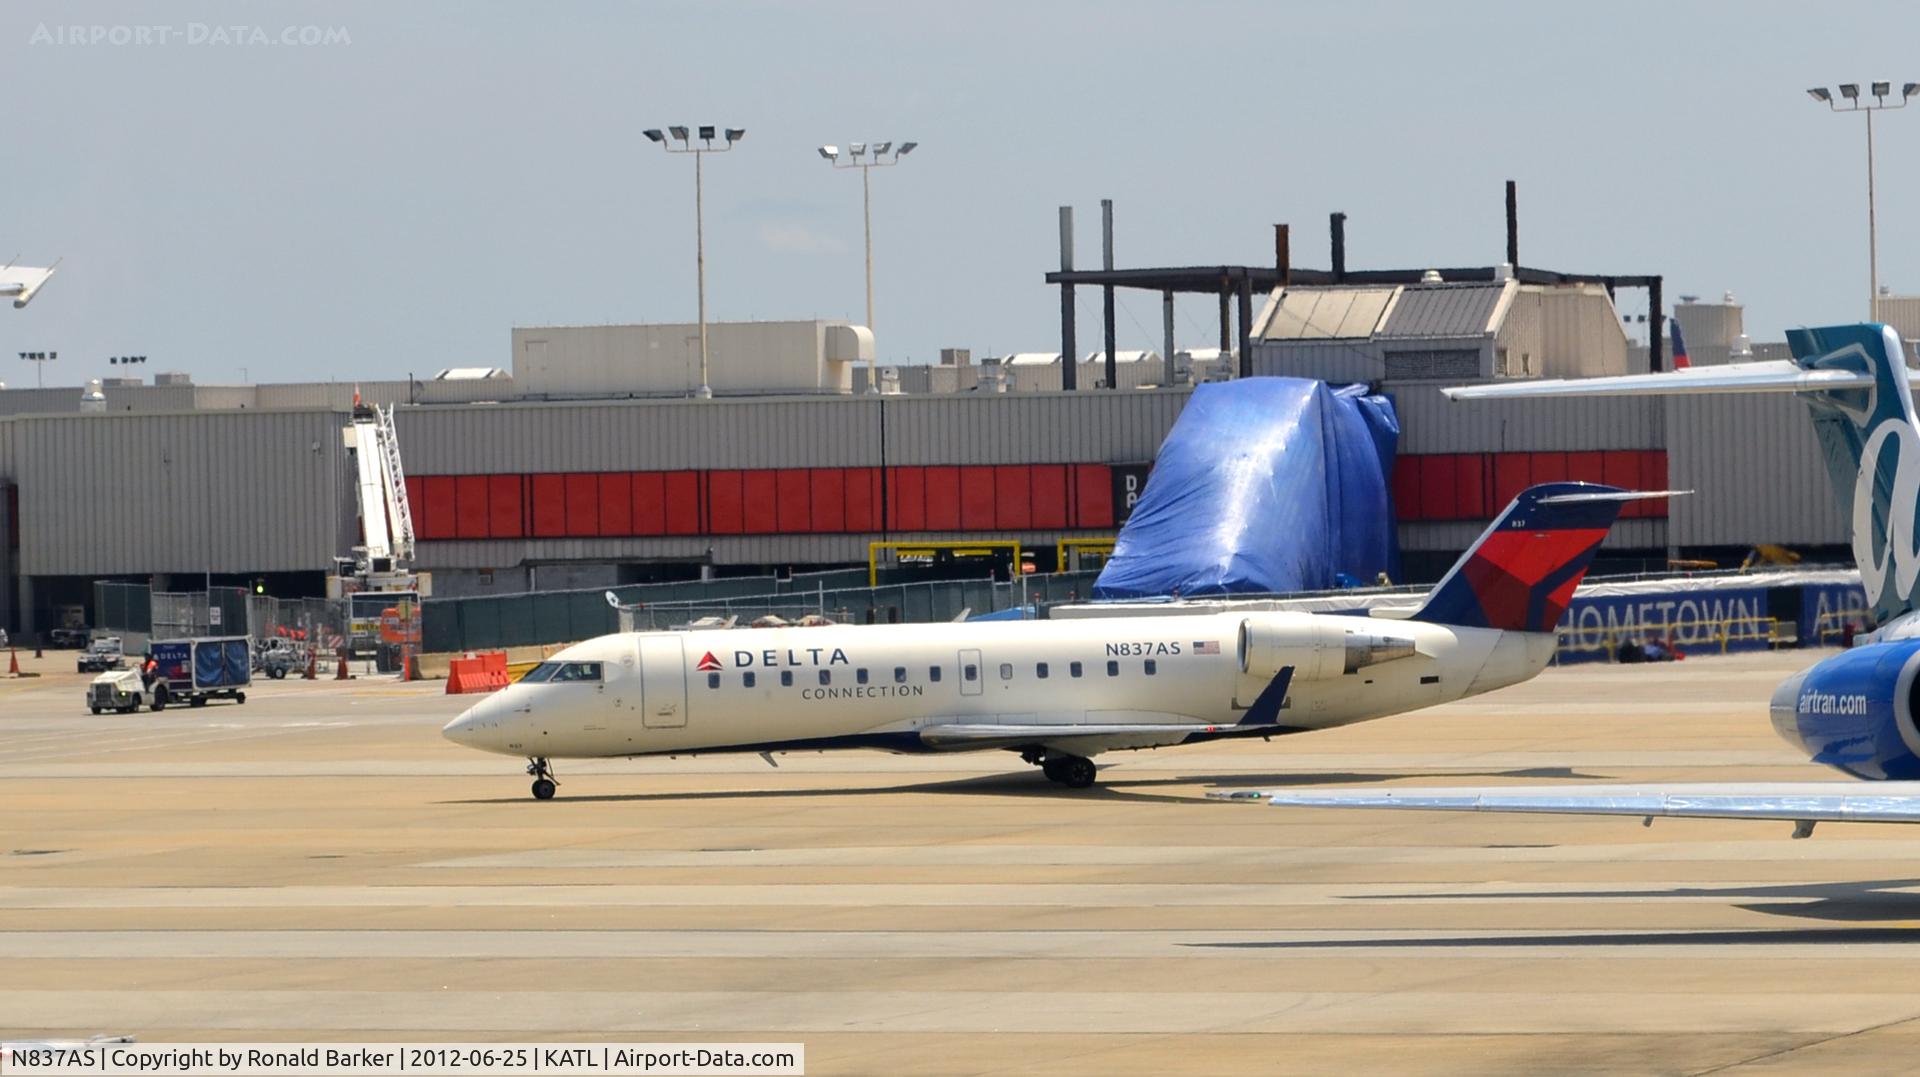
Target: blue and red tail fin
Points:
(1520, 574)
(1680, 358)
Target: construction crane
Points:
(378, 581)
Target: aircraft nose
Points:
(479, 726)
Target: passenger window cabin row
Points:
(968, 671)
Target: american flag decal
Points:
(1206, 646)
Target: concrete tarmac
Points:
(320, 864)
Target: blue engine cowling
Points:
(1856, 711)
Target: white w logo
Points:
(1898, 553)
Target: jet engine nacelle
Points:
(1856, 711)
(1315, 648)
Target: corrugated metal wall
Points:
(132, 493)
(652, 435)
(1430, 423)
(1337, 361)
(1457, 536)
(1041, 428)
(233, 491)
(1756, 471)
(1115, 427)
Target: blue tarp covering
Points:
(221, 663)
(1263, 485)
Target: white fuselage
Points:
(898, 687)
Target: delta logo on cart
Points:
(708, 663)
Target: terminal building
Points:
(586, 462)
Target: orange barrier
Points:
(477, 673)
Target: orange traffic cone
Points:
(342, 675)
(13, 662)
(313, 664)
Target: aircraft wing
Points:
(1803, 802)
(965, 736)
(19, 283)
(1768, 376)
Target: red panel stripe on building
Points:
(829, 498)
(759, 499)
(683, 502)
(725, 509)
(1586, 467)
(1048, 490)
(943, 499)
(649, 503)
(862, 503)
(616, 504)
(1406, 488)
(415, 500)
(583, 504)
(1093, 495)
(1472, 480)
(1622, 469)
(1012, 497)
(907, 498)
(1436, 486)
(442, 520)
(1512, 473)
(1549, 467)
(795, 500)
(503, 507)
(470, 507)
(976, 499)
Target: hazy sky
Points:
(397, 200)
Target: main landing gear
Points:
(1072, 771)
(543, 783)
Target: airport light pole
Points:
(39, 361)
(705, 137)
(884, 155)
(1855, 103)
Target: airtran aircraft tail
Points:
(1520, 573)
(1854, 379)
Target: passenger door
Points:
(973, 673)
(663, 681)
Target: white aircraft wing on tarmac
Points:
(20, 283)
(1802, 803)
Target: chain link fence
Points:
(137, 614)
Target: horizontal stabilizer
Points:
(1769, 376)
(1883, 802)
(1613, 495)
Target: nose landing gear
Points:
(543, 783)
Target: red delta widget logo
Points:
(774, 657)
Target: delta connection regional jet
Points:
(1858, 712)
(1058, 692)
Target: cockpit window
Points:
(562, 671)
